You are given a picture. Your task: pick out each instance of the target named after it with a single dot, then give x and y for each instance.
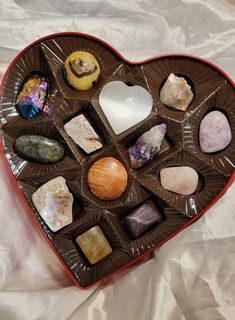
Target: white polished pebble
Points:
(124, 106)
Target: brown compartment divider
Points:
(85, 273)
(210, 183)
(31, 62)
(204, 78)
(58, 49)
(222, 100)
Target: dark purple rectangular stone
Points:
(141, 219)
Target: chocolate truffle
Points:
(107, 178)
(141, 219)
(82, 70)
(94, 244)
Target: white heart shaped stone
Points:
(124, 106)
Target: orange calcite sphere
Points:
(107, 178)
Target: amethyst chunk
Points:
(147, 146)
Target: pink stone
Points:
(214, 133)
(182, 180)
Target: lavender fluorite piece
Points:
(32, 98)
(147, 146)
(215, 133)
(141, 219)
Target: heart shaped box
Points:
(212, 88)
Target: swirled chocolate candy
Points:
(39, 148)
(32, 98)
(94, 244)
(82, 70)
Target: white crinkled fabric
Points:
(191, 277)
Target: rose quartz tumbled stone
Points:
(182, 180)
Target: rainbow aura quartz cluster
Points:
(32, 98)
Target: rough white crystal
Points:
(176, 93)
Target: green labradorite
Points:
(39, 148)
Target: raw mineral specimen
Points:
(39, 148)
(214, 133)
(124, 106)
(32, 98)
(182, 180)
(82, 70)
(176, 93)
(53, 202)
(80, 130)
(147, 146)
(141, 219)
(94, 244)
(107, 178)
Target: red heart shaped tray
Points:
(213, 90)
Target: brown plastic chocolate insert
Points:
(180, 147)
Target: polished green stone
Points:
(39, 148)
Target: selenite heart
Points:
(124, 106)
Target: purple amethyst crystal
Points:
(147, 146)
(32, 98)
(141, 219)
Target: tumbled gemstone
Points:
(39, 148)
(54, 202)
(141, 219)
(214, 133)
(32, 98)
(107, 178)
(80, 130)
(94, 244)
(147, 146)
(182, 180)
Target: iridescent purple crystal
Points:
(147, 146)
(141, 219)
(32, 98)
